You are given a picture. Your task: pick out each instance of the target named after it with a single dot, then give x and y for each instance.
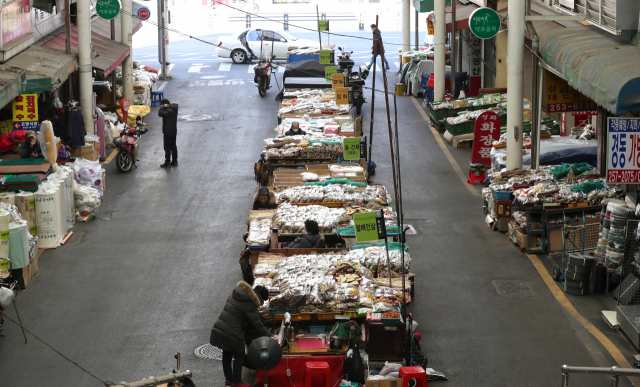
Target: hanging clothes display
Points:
(76, 125)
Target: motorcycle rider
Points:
(380, 50)
(295, 130)
(169, 113)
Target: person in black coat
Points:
(31, 147)
(169, 113)
(295, 130)
(380, 50)
(239, 313)
(312, 238)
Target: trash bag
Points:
(352, 365)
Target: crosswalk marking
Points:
(397, 65)
(249, 69)
(281, 69)
(225, 67)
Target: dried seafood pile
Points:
(315, 105)
(343, 193)
(309, 146)
(322, 152)
(290, 218)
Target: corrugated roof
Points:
(103, 27)
(45, 68)
(601, 66)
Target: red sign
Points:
(124, 105)
(485, 132)
(16, 21)
(144, 13)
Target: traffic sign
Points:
(484, 23)
(108, 9)
(144, 13)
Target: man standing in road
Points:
(380, 50)
(169, 113)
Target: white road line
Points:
(168, 69)
(216, 83)
(397, 65)
(194, 69)
(225, 67)
(249, 69)
(281, 69)
(162, 86)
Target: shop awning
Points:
(46, 68)
(110, 53)
(103, 27)
(462, 16)
(598, 64)
(12, 81)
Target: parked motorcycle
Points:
(263, 72)
(353, 80)
(344, 60)
(127, 145)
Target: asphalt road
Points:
(151, 274)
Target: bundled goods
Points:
(342, 193)
(48, 215)
(290, 218)
(65, 177)
(259, 232)
(26, 203)
(87, 200)
(578, 275)
(591, 191)
(25, 182)
(306, 146)
(88, 173)
(314, 104)
(8, 198)
(19, 249)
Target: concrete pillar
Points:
(439, 49)
(515, 92)
(406, 25)
(85, 67)
(126, 38)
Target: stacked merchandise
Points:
(374, 196)
(309, 146)
(260, 227)
(51, 223)
(578, 275)
(28, 182)
(614, 232)
(290, 218)
(26, 203)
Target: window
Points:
(277, 37)
(254, 35)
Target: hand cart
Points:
(567, 229)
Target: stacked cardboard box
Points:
(90, 151)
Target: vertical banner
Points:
(25, 112)
(485, 132)
(475, 68)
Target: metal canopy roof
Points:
(46, 68)
(601, 66)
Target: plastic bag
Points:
(390, 367)
(563, 170)
(587, 186)
(6, 297)
(88, 173)
(308, 176)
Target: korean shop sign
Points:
(342, 95)
(369, 226)
(563, 98)
(623, 150)
(25, 112)
(484, 23)
(323, 25)
(485, 132)
(108, 9)
(353, 148)
(325, 56)
(337, 79)
(329, 71)
(16, 21)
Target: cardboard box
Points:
(521, 236)
(384, 383)
(88, 152)
(29, 271)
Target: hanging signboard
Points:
(353, 148)
(25, 112)
(337, 80)
(369, 226)
(430, 28)
(484, 23)
(323, 25)
(16, 21)
(329, 71)
(325, 57)
(108, 9)
(342, 95)
(563, 98)
(485, 132)
(623, 150)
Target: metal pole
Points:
(85, 67)
(373, 96)
(67, 26)
(453, 56)
(163, 65)
(406, 25)
(125, 38)
(114, 79)
(416, 33)
(515, 75)
(440, 20)
(318, 26)
(536, 91)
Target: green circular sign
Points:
(108, 9)
(484, 23)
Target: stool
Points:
(156, 97)
(317, 367)
(475, 176)
(417, 373)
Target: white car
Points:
(253, 43)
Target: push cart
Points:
(567, 229)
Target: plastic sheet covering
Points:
(5, 218)
(47, 217)
(598, 64)
(61, 206)
(18, 244)
(26, 203)
(65, 177)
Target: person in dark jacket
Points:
(239, 313)
(264, 200)
(311, 239)
(169, 113)
(31, 147)
(295, 130)
(380, 50)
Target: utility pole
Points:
(114, 78)
(515, 73)
(125, 38)
(161, 41)
(439, 50)
(67, 42)
(416, 33)
(406, 25)
(453, 53)
(85, 67)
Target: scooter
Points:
(355, 81)
(127, 145)
(263, 75)
(344, 60)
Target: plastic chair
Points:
(156, 97)
(319, 367)
(417, 373)
(476, 173)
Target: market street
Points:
(150, 275)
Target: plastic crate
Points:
(317, 329)
(352, 314)
(438, 114)
(393, 320)
(457, 129)
(500, 195)
(327, 316)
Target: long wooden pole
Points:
(373, 98)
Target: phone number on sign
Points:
(623, 176)
(570, 107)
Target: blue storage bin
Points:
(500, 195)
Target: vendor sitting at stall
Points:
(240, 312)
(310, 239)
(264, 200)
(295, 130)
(31, 147)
